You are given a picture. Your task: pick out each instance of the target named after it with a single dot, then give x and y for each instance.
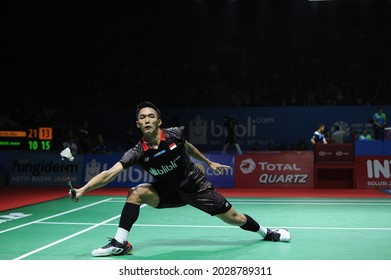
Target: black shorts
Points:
(206, 199)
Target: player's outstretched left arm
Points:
(98, 181)
(192, 151)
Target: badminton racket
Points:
(67, 154)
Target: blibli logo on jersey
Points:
(164, 169)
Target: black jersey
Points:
(169, 164)
(318, 137)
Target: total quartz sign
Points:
(275, 169)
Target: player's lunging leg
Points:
(119, 245)
(245, 222)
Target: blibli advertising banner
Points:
(264, 127)
(94, 164)
(260, 127)
(275, 169)
(225, 179)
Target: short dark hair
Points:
(149, 104)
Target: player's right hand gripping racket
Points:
(66, 153)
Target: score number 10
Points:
(34, 145)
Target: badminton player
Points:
(166, 154)
(318, 136)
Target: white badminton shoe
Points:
(275, 235)
(114, 248)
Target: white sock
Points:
(262, 231)
(121, 235)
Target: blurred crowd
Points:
(318, 64)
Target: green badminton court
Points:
(321, 229)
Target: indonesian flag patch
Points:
(172, 146)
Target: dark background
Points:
(106, 55)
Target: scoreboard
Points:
(29, 139)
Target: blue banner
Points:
(47, 169)
(223, 180)
(41, 169)
(94, 164)
(373, 148)
(278, 128)
(264, 128)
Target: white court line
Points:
(338, 228)
(202, 226)
(65, 238)
(350, 200)
(313, 203)
(320, 200)
(69, 236)
(300, 202)
(53, 216)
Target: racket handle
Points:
(73, 192)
